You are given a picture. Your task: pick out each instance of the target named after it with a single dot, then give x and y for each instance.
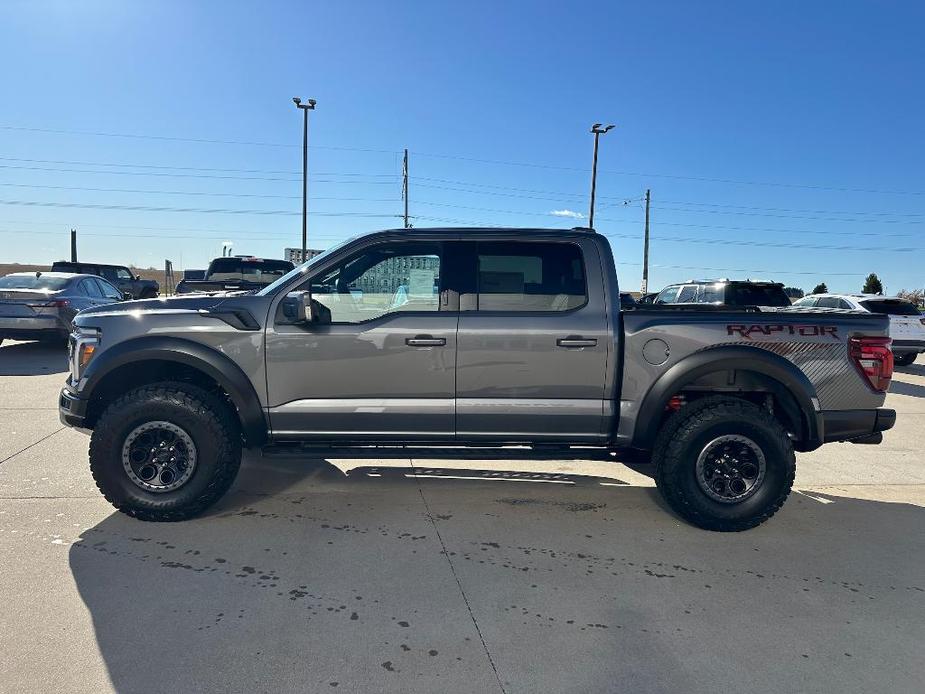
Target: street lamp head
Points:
(598, 130)
(296, 100)
(309, 105)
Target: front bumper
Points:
(850, 425)
(72, 410)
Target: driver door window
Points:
(387, 279)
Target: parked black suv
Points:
(725, 292)
(119, 275)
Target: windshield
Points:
(303, 268)
(48, 284)
(891, 307)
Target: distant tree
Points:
(872, 285)
(820, 289)
(916, 296)
(794, 292)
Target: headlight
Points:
(83, 346)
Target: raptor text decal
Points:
(750, 331)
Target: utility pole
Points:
(404, 184)
(73, 245)
(306, 107)
(598, 131)
(645, 250)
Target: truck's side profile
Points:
(473, 336)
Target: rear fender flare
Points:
(720, 359)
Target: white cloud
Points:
(567, 213)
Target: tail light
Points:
(57, 303)
(873, 358)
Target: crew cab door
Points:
(385, 366)
(534, 340)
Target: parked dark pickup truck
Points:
(126, 281)
(470, 337)
(237, 273)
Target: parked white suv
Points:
(907, 324)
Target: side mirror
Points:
(127, 296)
(300, 308)
(138, 278)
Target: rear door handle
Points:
(575, 341)
(425, 341)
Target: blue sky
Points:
(780, 140)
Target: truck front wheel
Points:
(165, 452)
(724, 464)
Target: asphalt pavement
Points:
(413, 572)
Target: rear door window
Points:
(91, 288)
(745, 294)
(710, 294)
(688, 294)
(108, 290)
(530, 276)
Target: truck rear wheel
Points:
(724, 464)
(904, 359)
(165, 452)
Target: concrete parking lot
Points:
(393, 573)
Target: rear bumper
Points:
(906, 346)
(32, 327)
(847, 425)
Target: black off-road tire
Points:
(693, 427)
(207, 419)
(904, 359)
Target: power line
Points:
(181, 175)
(198, 140)
(784, 231)
(790, 209)
(786, 216)
(187, 168)
(148, 208)
(496, 162)
(262, 237)
(195, 193)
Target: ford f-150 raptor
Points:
(470, 337)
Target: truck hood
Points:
(190, 302)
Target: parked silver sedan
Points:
(41, 305)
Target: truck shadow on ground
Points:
(32, 358)
(915, 369)
(308, 578)
(912, 389)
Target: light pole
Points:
(306, 107)
(598, 131)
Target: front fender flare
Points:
(211, 362)
(754, 359)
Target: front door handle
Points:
(425, 341)
(575, 341)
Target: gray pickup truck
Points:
(470, 337)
